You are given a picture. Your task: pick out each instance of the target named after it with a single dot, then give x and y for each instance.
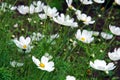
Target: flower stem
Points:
(43, 74)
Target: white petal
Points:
(70, 77)
(106, 35)
(28, 40)
(70, 2)
(18, 44)
(50, 66)
(35, 60)
(115, 30)
(22, 40)
(92, 64)
(43, 16)
(86, 2)
(44, 59)
(110, 66)
(20, 64)
(117, 2)
(78, 34)
(114, 55)
(99, 1)
(32, 9)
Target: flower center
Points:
(24, 46)
(102, 9)
(84, 20)
(42, 65)
(83, 39)
(70, 6)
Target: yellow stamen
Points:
(114, 3)
(103, 8)
(84, 20)
(70, 6)
(42, 65)
(83, 39)
(24, 46)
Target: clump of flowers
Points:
(16, 64)
(64, 44)
(65, 20)
(6, 7)
(36, 7)
(36, 36)
(50, 12)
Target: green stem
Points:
(43, 74)
(111, 41)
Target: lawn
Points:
(59, 40)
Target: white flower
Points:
(48, 56)
(78, 13)
(23, 9)
(95, 33)
(37, 36)
(99, 1)
(15, 25)
(3, 6)
(42, 16)
(70, 77)
(65, 20)
(101, 65)
(99, 15)
(39, 6)
(93, 55)
(84, 36)
(86, 2)
(83, 17)
(54, 36)
(106, 35)
(51, 12)
(23, 44)
(32, 9)
(29, 19)
(69, 3)
(44, 64)
(117, 2)
(86, 19)
(115, 30)
(74, 43)
(36, 7)
(28, 50)
(114, 55)
(16, 64)
(13, 8)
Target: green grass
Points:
(68, 59)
